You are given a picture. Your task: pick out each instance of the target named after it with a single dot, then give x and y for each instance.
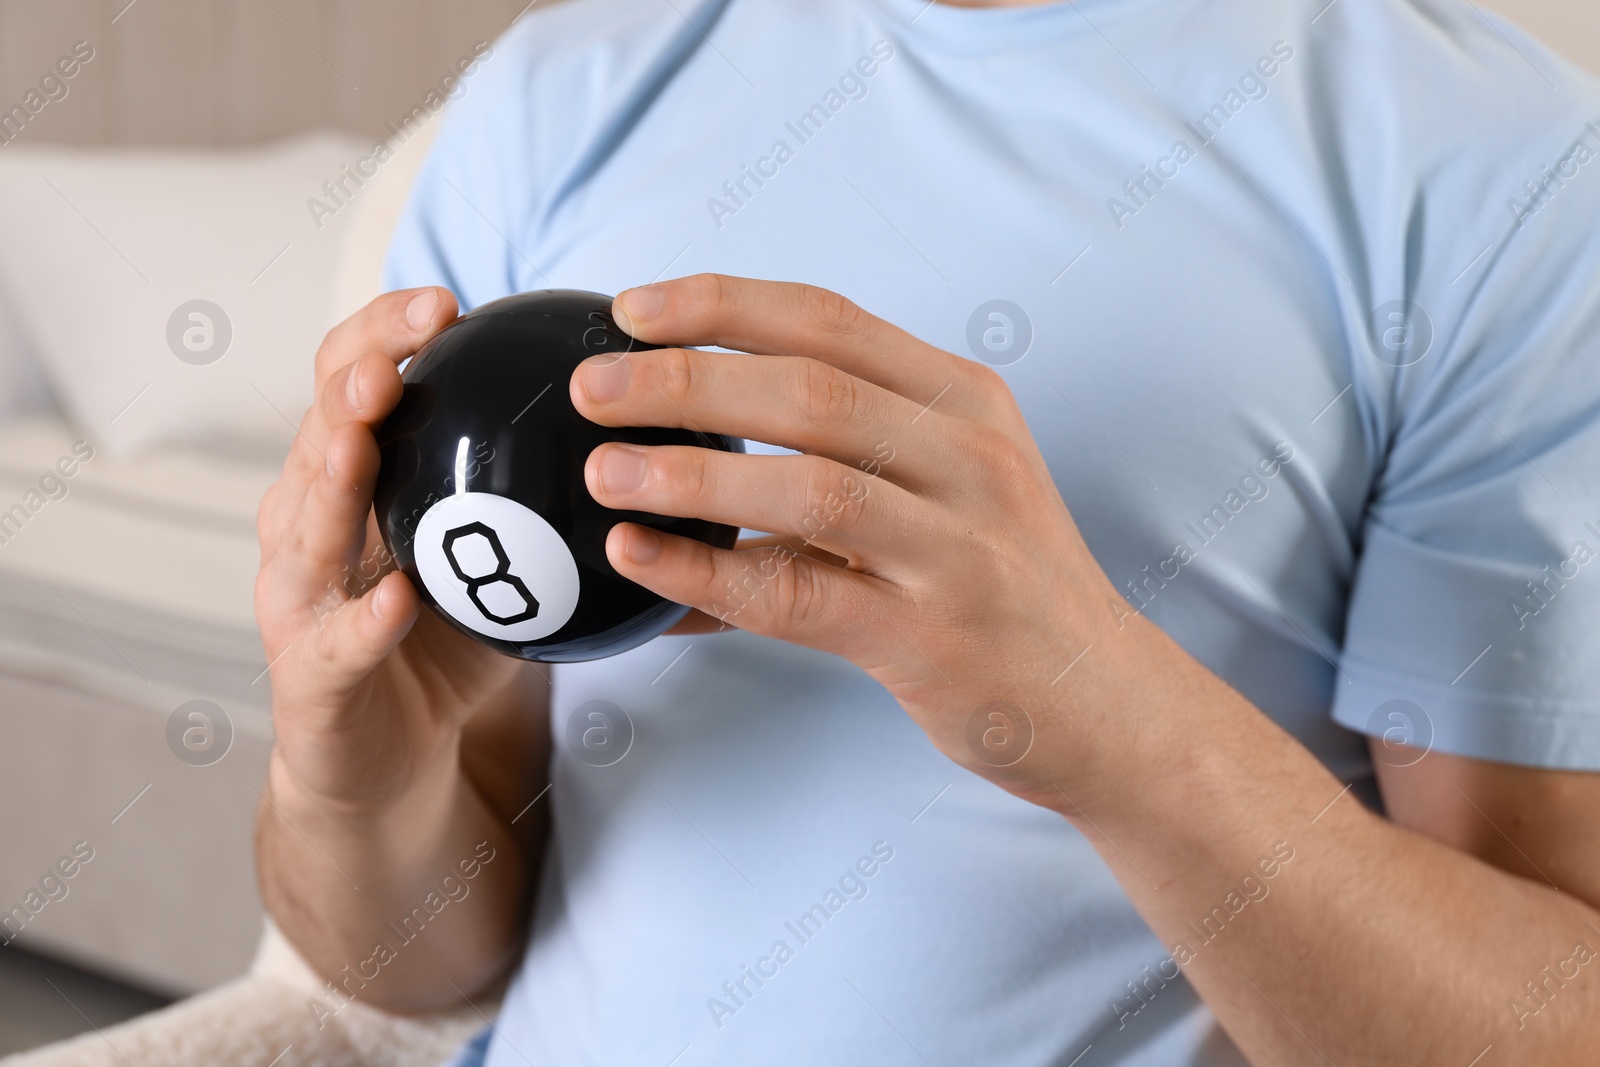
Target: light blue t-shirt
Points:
(1302, 303)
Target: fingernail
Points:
(621, 469)
(352, 387)
(605, 378)
(419, 313)
(642, 546)
(638, 305)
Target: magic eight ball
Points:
(480, 496)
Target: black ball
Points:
(481, 498)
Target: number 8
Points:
(500, 574)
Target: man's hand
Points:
(939, 556)
(356, 724)
(400, 744)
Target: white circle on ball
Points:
(496, 567)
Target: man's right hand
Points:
(400, 744)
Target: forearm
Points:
(408, 906)
(1371, 944)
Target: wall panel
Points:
(173, 99)
(33, 37)
(190, 72)
(279, 72)
(383, 43)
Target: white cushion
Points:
(373, 216)
(99, 248)
(23, 389)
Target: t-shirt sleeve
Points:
(1476, 599)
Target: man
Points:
(1224, 392)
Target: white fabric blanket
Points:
(263, 1020)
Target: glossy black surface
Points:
(499, 376)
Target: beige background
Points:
(233, 71)
(1571, 26)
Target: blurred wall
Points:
(233, 71)
(1572, 27)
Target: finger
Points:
(698, 622)
(393, 325)
(329, 530)
(793, 401)
(356, 637)
(356, 366)
(785, 318)
(273, 513)
(363, 393)
(772, 592)
(866, 521)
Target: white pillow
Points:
(373, 216)
(23, 388)
(103, 251)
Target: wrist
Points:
(1179, 759)
(364, 801)
(1143, 727)
(1088, 725)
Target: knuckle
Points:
(801, 599)
(329, 351)
(676, 374)
(267, 514)
(695, 474)
(831, 311)
(827, 394)
(984, 379)
(987, 383)
(704, 572)
(265, 600)
(309, 422)
(342, 344)
(295, 542)
(1004, 461)
(707, 292)
(305, 464)
(834, 499)
(278, 604)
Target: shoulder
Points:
(544, 102)
(1462, 154)
(571, 76)
(1442, 82)
(567, 55)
